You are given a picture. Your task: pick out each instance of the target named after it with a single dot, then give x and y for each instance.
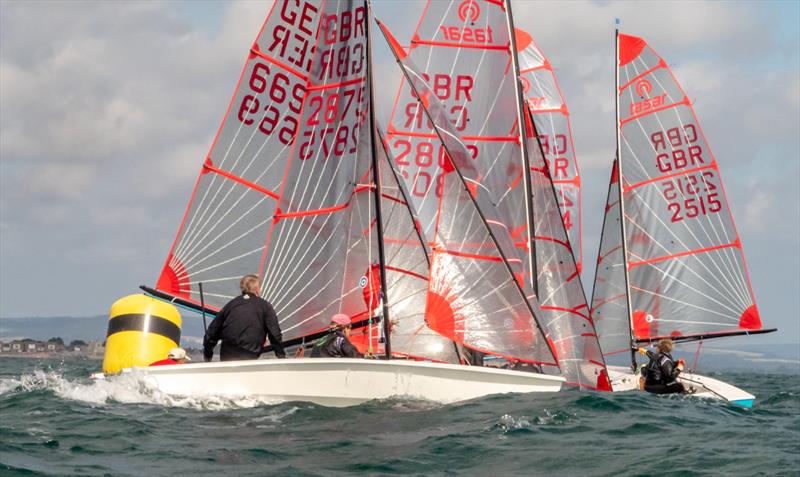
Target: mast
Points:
(526, 167)
(377, 190)
(621, 197)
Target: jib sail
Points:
(551, 116)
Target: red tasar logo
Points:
(643, 87)
(469, 9)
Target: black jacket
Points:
(244, 323)
(661, 369)
(335, 345)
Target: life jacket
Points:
(653, 370)
(330, 346)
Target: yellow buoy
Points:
(141, 330)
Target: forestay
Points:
(686, 269)
(551, 116)
(286, 174)
(474, 291)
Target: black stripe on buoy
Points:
(136, 322)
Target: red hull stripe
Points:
(407, 272)
(713, 165)
(279, 64)
(684, 101)
(238, 179)
(683, 254)
(450, 44)
(336, 85)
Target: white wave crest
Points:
(128, 388)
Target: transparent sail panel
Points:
(551, 115)
(474, 292)
(687, 271)
(609, 295)
(462, 50)
(564, 311)
(287, 173)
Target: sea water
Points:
(55, 421)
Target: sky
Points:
(107, 110)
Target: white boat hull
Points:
(623, 379)
(342, 381)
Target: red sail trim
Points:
(562, 109)
(255, 51)
(713, 165)
(488, 258)
(610, 300)
(340, 84)
(394, 199)
(394, 132)
(449, 44)
(736, 244)
(325, 210)
(685, 101)
(566, 310)
(208, 165)
(406, 272)
(629, 48)
(545, 66)
(399, 51)
(552, 239)
(661, 64)
(603, 257)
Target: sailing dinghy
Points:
(671, 263)
(293, 188)
(469, 56)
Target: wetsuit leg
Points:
(232, 353)
(672, 388)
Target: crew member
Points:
(336, 343)
(175, 356)
(243, 325)
(661, 373)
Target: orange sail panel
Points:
(286, 174)
(686, 268)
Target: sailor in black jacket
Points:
(661, 373)
(243, 325)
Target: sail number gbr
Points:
(274, 104)
(691, 195)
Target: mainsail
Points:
(475, 294)
(681, 261)
(468, 58)
(551, 116)
(289, 168)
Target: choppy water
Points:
(55, 421)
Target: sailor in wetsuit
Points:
(661, 373)
(243, 325)
(336, 343)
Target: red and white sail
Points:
(468, 62)
(475, 291)
(551, 116)
(288, 169)
(685, 266)
(406, 268)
